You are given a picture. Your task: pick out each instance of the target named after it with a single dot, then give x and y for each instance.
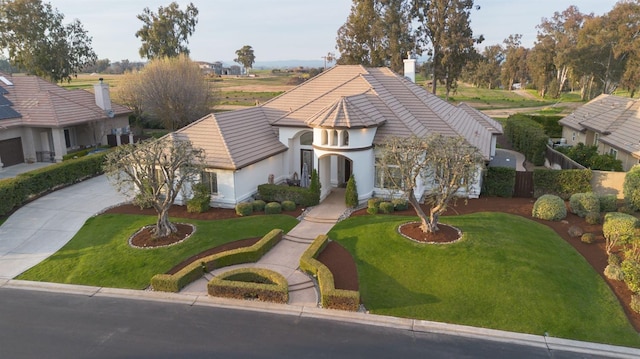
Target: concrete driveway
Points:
(39, 229)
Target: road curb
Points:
(413, 325)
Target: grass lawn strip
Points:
(506, 273)
(99, 254)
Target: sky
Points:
(280, 30)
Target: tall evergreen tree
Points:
(38, 42)
(166, 33)
(445, 30)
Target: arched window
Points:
(345, 138)
(334, 138)
(306, 139)
(323, 138)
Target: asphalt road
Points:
(53, 325)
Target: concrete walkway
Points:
(42, 227)
(284, 258)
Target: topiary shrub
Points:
(386, 207)
(613, 272)
(583, 203)
(400, 204)
(244, 209)
(631, 188)
(592, 218)
(634, 304)
(588, 238)
(273, 208)
(351, 193)
(315, 187)
(575, 231)
(608, 203)
(631, 270)
(258, 205)
(618, 228)
(288, 206)
(550, 208)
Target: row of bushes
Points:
(280, 193)
(250, 283)
(175, 282)
(561, 183)
(248, 208)
(499, 182)
(379, 205)
(586, 205)
(81, 153)
(528, 137)
(16, 191)
(330, 297)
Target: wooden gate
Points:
(524, 185)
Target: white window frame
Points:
(212, 181)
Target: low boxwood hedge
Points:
(175, 282)
(250, 283)
(279, 193)
(330, 297)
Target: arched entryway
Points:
(334, 171)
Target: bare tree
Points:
(172, 90)
(450, 163)
(154, 172)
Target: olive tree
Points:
(153, 172)
(449, 164)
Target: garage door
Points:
(11, 152)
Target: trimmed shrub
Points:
(201, 199)
(592, 218)
(258, 205)
(499, 181)
(614, 272)
(195, 270)
(372, 210)
(575, 231)
(400, 204)
(386, 207)
(618, 228)
(288, 206)
(634, 304)
(631, 270)
(273, 208)
(244, 209)
(330, 297)
(631, 188)
(583, 203)
(315, 187)
(528, 137)
(374, 202)
(561, 183)
(250, 283)
(588, 238)
(626, 210)
(550, 208)
(280, 193)
(351, 193)
(608, 203)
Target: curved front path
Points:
(40, 228)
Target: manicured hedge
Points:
(250, 283)
(14, 192)
(499, 181)
(582, 204)
(528, 137)
(279, 193)
(175, 282)
(330, 297)
(562, 183)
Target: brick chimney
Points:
(410, 67)
(103, 100)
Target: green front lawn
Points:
(507, 273)
(100, 255)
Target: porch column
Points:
(59, 145)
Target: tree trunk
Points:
(163, 226)
(424, 220)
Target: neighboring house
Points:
(610, 122)
(331, 123)
(41, 121)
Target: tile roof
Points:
(346, 96)
(615, 118)
(43, 104)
